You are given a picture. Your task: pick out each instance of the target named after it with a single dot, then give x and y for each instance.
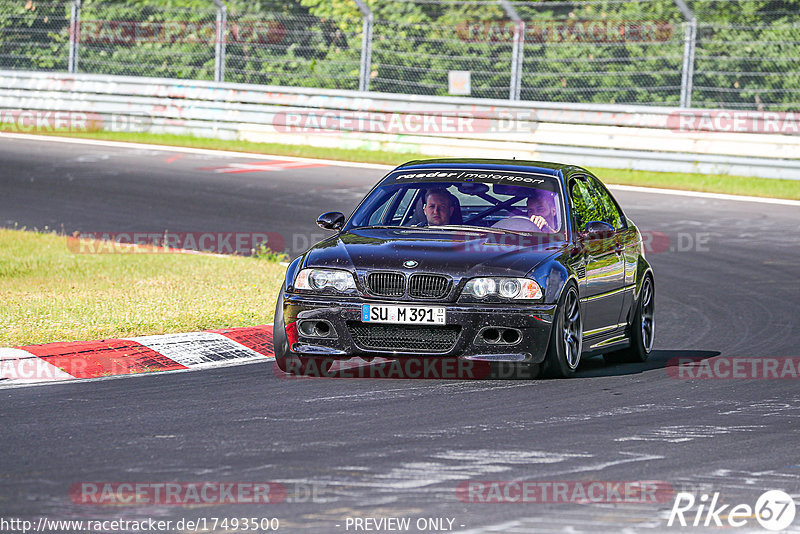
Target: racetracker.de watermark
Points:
(567, 31)
(137, 493)
(242, 243)
(136, 32)
(653, 241)
(38, 121)
(176, 493)
(411, 367)
(564, 491)
(734, 368)
(407, 122)
(32, 368)
(764, 122)
(46, 121)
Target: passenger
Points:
(438, 207)
(541, 210)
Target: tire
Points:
(280, 344)
(287, 362)
(642, 328)
(566, 338)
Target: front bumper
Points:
(531, 323)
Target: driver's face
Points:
(540, 207)
(438, 209)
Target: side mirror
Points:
(597, 230)
(332, 220)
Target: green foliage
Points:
(263, 252)
(34, 35)
(604, 51)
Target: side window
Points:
(612, 213)
(585, 204)
(377, 216)
(401, 212)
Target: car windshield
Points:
(536, 207)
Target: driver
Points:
(541, 210)
(438, 207)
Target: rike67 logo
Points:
(774, 510)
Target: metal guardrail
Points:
(611, 136)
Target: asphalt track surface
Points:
(726, 286)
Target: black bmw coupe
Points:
(524, 262)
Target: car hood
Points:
(454, 252)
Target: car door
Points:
(602, 289)
(625, 242)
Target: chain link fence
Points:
(747, 55)
(731, 54)
(609, 52)
(287, 45)
(34, 36)
(146, 40)
(415, 50)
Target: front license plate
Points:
(381, 313)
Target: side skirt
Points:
(601, 345)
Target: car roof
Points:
(559, 170)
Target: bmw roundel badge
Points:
(410, 264)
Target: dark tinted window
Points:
(586, 205)
(504, 207)
(612, 213)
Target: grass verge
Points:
(52, 294)
(711, 183)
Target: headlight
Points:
(482, 287)
(507, 288)
(322, 279)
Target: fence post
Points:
(687, 78)
(689, 42)
(74, 36)
(517, 50)
(366, 46)
(219, 47)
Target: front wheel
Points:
(288, 362)
(566, 339)
(280, 344)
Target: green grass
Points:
(712, 183)
(50, 293)
(709, 183)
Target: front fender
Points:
(291, 272)
(552, 276)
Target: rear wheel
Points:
(566, 338)
(642, 328)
